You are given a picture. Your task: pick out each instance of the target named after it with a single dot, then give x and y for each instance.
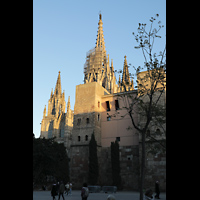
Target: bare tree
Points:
(148, 102)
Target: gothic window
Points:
(158, 131)
(108, 105)
(60, 109)
(62, 131)
(118, 139)
(49, 133)
(79, 122)
(50, 129)
(104, 83)
(116, 105)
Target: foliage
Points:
(49, 160)
(115, 162)
(93, 162)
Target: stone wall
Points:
(129, 163)
(155, 170)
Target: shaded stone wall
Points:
(79, 165)
(129, 163)
(155, 170)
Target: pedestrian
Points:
(84, 192)
(61, 190)
(111, 197)
(148, 195)
(157, 190)
(67, 188)
(57, 187)
(54, 191)
(70, 188)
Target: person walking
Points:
(54, 191)
(84, 192)
(157, 190)
(70, 188)
(67, 188)
(61, 190)
(57, 187)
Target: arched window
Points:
(157, 131)
(79, 138)
(86, 138)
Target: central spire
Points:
(100, 37)
(58, 86)
(97, 66)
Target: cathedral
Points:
(95, 102)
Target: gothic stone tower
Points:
(97, 67)
(99, 80)
(57, 123)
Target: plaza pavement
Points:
(121, 195)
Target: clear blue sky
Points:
(65, 30)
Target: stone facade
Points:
(57, 123)
(99, 109)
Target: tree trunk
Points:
(142, 166)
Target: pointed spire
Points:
(63, 94)
(112, 63)
(112, 68)
(68, 103)
(68, 107)
(51, 93)
(57, 90)
(125, 76)
(44, 112)
(119, 80)
(100, 37)
(132, 86)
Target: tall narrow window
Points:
(86, 138)
(98, 104)
(108, 105)
(79, 121)
(118, 139)
(79, 138)
(116, 105)
(98, 117)
(158, 131)
(87, 121)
